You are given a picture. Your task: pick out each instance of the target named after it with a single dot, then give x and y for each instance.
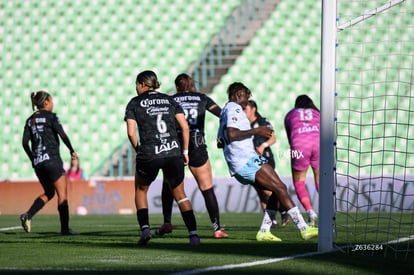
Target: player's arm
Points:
(234, 134)
(132, 133)
(25, 143)
(267, 143)
(287, 128)
(180, 117)
(215, 110)
(61, 132)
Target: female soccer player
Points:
(157, 115)
(195, 105)
(302, 129)
(42, 129)
(247, 166)
(262, 146)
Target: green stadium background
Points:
(87, 55)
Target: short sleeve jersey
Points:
(194, 105)
(302, 125)
(238, 152)
(155, 113)
(43, 135)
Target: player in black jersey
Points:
(195, 105)
(262, 145)
(43, 129)
(157, 115)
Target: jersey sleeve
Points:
(129, 111)
(209, 102)
(234, 115)
(25, 141)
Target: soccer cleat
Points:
(285, 219)
(68, 232)
(219, 235)
(267, 237)
(145, 237)
(164, 229)
(274, 224)
(194, 240)
(309, 233)
(25, 219)
(312, 217)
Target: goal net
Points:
(374, 124)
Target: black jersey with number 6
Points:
(155, 113)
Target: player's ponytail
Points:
(149, 79)
(38, 99)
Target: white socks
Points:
(266, 223)
(297, 218)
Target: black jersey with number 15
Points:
(155, 113)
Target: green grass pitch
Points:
(107, 245)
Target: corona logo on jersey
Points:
(157, 101)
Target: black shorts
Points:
(197, 152)
(172, 168)
(48, 173)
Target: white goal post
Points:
(372, 81)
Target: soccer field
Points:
(107, 244)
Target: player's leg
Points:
(174, 175)
(264, 233)
(316, 178)
(63, 206)
(144, 176)
(264, 196)
(141, 204)
(268, 178)
(303, 195)
(167, 205)
(39, 202)
(204, 178)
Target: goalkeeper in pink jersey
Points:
(302, 129)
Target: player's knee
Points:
(50, 194)
(182, 200)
